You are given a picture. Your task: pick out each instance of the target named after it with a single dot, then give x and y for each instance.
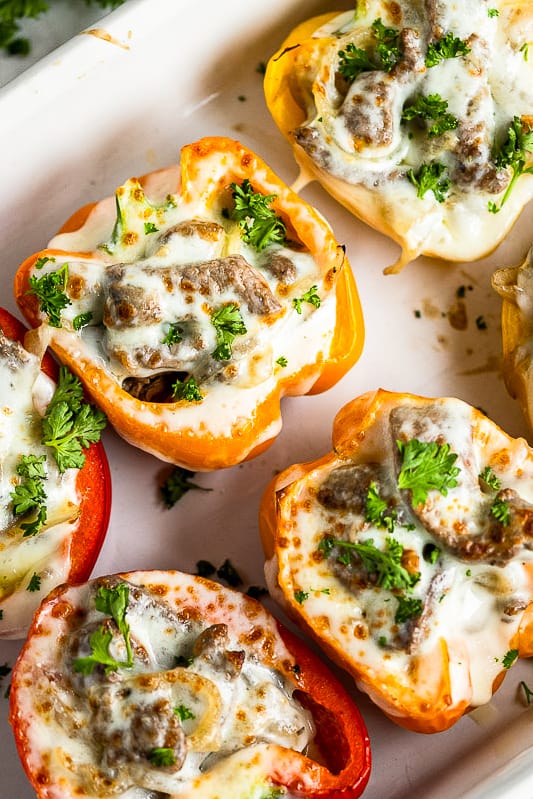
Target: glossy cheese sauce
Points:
(191, 263)
(96, 732)
(470, 599)
(24, 394)
(354, 132)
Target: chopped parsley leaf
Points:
(430, 177)
(488, 477)
(493, 12)
(173, 334)
(525, 50)
(282, 361)
(188, 390)
(449, 46)
(160, 757)
(184, 713)
(40, 262)
(82, 320)
(501, 511)
(509, 658)
(311, 296)
(35, 583)
(29, 495)
(513, 155)
(385, 565)
(70, 425)
(301, 596)
(149, 227)
(228, 324)
(176, 485)
(377, 511)
(431, 107)
(229, 573)
(50, 290)
(408, 608)
(431, 553)
(260, 226)
(354, 60)
(426, 466)
(204, 568)
(113, 602)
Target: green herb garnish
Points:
(173, 334)
(385, 565)
(35, 583)
(501, 511)
(311, 296)
(29, 495)
(184, 713)
(260, 225)
(426, 466)
(114, 603)
(432, 107)
(513, 155)
(408, 608)
(354, 60)
(187, 390)
(177, 484)
(282, 361)
(229, 573)
(228, 324)
(430, 177)
(509, 658)
(161, 757)
(488, 477)
(71, 425)
(50, 290)
(449, 46)
(149, 227)
(82, 320)
(301, 596)
(377, 511)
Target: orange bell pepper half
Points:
(259, 712)
(93, 487)
(406, 553)
(211, 291)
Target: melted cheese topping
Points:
(178, 261)
(355, 137)
(24, 391)
(224, 713)
(475, 574)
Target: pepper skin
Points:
(93, 484)
(188, 603)
(471, 603)
(208, 168)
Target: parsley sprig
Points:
(311, 296)
(29, 495)
(377, 511)
(113, 602)
(260, 226)
(513, 154)
(431, 107)
(384, 565)
(50, 290)
(228, 324)
(449, 46)
(187, 389)
(426, 466)
(177, 484)
(71, 425)
(430, 177)
(354, 60)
